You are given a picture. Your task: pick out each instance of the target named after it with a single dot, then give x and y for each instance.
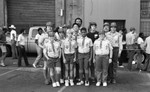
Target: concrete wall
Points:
(1, 13)
(98, 10)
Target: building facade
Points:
(26, 13)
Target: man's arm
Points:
(41, 40)
(120, 45)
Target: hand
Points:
(94, 60)
(74, 60)
(110, 60)
(64, 60)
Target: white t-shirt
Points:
(13, 32)
(140, 40)
(21, 39)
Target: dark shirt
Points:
(2, 38)
(93, 36)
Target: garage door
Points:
(26, 13)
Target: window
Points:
(145, 9)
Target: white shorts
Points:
(3, 48)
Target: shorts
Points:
(53, 62)
(3, 48)
(69, 58)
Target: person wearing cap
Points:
(84, 51)
(102, 56)
(3, 46)
(13, 37)
(106, 27)
(115, 38)
(52, 53)
(93, 34)
(69, 57)
(41, 42)
(130, 46)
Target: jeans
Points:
(102, 63)
(22, 53)
(39, 55)
(112, 70)
(14, 49)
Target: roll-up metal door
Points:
(26, 13)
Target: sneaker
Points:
(54, 85)
(2, 64)
(80, 83)
(98, 83)
(104, 84)
(121, 66)
(61, 81)
(87, 83)
(71, 82)
(57, 84)
(46, 82)
(66, 83)
(34, 65)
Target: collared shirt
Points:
(49, 48)
(114, 38)
(13, 35)
(86, 47)
(147, 43)
(21, 39)
(140, 40)
(42, 38)
(66, 46)
(105, 47)
(130, 38)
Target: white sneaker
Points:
(57, 84)
(80, 83)
(104, 84)
(121, 66)
(34, 65)
(54, 85)
(98, 84)
(61, 81)
(66, 83)
(87, 83)
(2, 64)
(71, 82)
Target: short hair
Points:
(39, 29)
(93, 23)
(83, 28)
(75, 24)
(78, 19)
(132, 28)
(22, 30)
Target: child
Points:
(102, 56)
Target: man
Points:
(13, 37)
(3, 46)
(79, 22)
(41, 42)
(84, 56)
(38, 48)
(93, 35)
(147, 50)
(114, 37)
(21, 48)
(102, 56)
(69, 57)
(52, 52)
(130, 42)
(106, 27)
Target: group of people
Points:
(77, 54)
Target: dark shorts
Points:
(83, 59)
(53, 62)
(69, 58)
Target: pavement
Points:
(29, 79)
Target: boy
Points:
(52, 52)
(84, 56)
(69, 56)
(102, 55)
